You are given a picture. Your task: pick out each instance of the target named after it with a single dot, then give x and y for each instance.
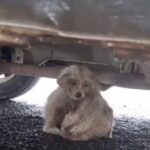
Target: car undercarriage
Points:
(39, 38)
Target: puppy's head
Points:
(78, 82)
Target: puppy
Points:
(76, 110)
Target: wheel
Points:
(16, 86)
(11, 85)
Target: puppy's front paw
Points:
(54, 131)
(110, 135)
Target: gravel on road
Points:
(21, 129)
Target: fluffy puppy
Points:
(76, 110)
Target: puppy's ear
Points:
(62, 79)
(99, 85)
(104, 86)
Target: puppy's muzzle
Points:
(78, 95)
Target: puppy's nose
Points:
(78, 95)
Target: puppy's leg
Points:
(49, 126)
(110, 133)
(52, 121)
(54, 131)
(69, 121)
(75, 128)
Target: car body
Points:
(111, 37)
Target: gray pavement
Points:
(21, 124)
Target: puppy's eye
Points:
(85, 85)
(72, 82)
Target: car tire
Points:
(16, 86)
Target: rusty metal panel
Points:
(120, 25)
(109, 18)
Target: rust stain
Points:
(24, 36)
(12, 40)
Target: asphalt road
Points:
(21, 124)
